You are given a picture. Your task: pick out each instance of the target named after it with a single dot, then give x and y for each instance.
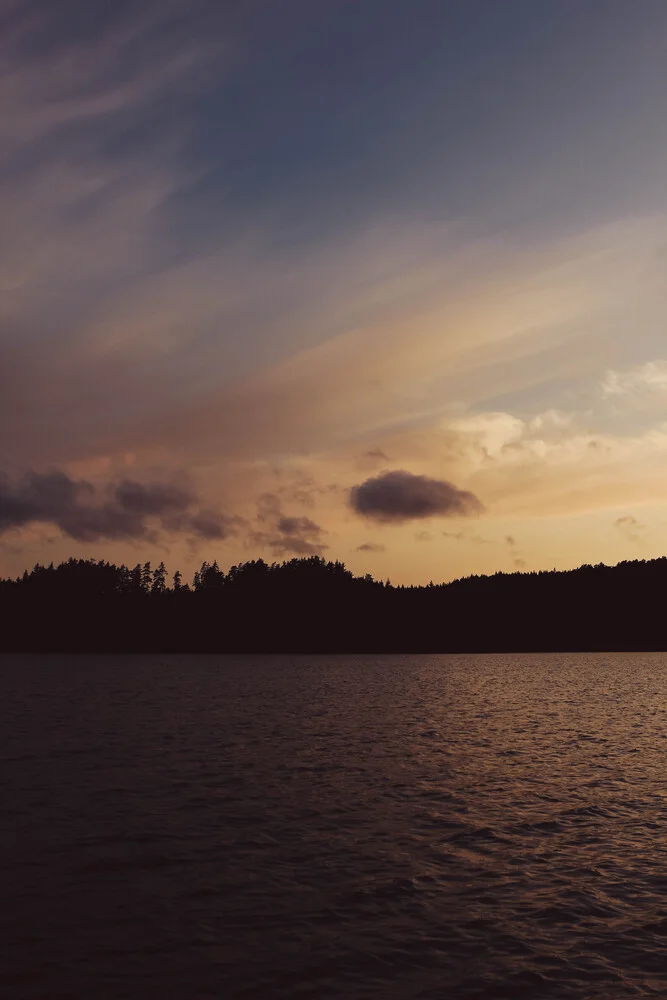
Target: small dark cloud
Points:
(297, 526)
(628, 522)
(630, 528)
(369, 547)
(377, 453)
(423, 536)
(211, 525)
(127, 510)
(517, 559)
(286, 534)
(401, 496)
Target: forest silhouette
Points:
(313, 605)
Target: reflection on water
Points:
(431, 826)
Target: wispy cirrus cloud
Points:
(647, 378)
(65, 70)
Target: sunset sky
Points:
(375, 279)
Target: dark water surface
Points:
(315, 827)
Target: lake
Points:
(339, 826)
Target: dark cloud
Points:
(511, 541)
(286, 534)
(423, 536)
(127, 510)
(401, 496)
(377, 453)
(369, 547)
(212, 525)
(297, 526)
(207, 524)
(157, 498)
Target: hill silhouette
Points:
(314, 605)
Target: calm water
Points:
(430, 826)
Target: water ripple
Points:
(364, 827)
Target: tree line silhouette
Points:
(314, 605)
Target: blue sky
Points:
(248, 244)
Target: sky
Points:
(377, 280)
